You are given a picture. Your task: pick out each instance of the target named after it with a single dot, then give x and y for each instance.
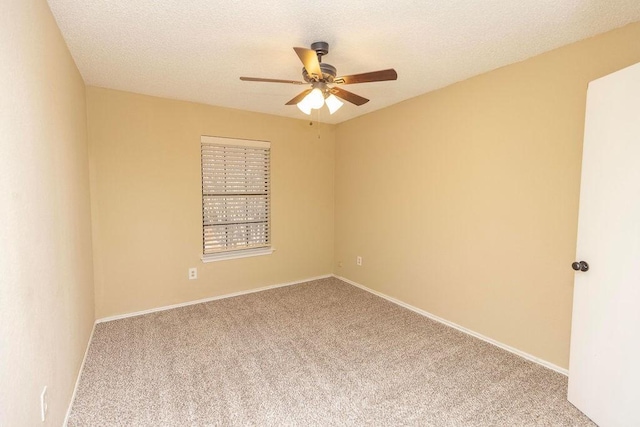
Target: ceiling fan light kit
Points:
(319, 96)
(322, 78)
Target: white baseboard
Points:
(75, 387)
(510, 349)
(184, 304)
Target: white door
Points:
(604, 370)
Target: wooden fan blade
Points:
(348, 96)
(374, 76)
(310, 61)
(299, 97)
(258, 79)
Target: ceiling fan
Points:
(323, 80)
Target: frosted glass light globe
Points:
(315, 99)
(304, 106)
(333, 104)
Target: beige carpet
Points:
(318, 353)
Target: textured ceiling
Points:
(195, 50)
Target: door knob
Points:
(580, 266)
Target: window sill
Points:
(244, 253)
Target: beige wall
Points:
(464, 201)
(46, 290)
(146, 200)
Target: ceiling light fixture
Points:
(320, 75)
(318, 96)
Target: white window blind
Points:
(235, 195)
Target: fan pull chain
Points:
(317, 122)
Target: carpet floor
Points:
(321, 353)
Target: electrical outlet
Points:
(193, 273)
(358, 260)
(43, 404)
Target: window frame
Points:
(235, 253)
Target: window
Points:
(235, 198)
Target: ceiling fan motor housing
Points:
(328, 73)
